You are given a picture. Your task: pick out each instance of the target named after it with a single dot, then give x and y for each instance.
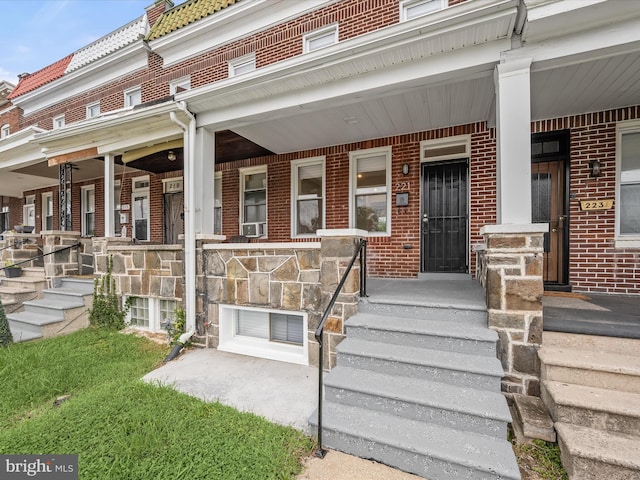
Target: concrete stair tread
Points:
(590, 360)
(69, 291)
(20, 335)
(482, 403)
(422, 356)
(12, 290)
(593, 398)
(55, 303)
(24, 279)
(422, 326)
(7, 303)
(471, 450)
(608, 447)
(32, 318)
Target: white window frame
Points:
(628, 240)
(133, 97)
(58, 122)
(262, 348)
(29, 211)
(117, 196)
(46, 198)
(217, 203)
(354, 156)
(5, 131)
(184, 83)
(295, 168)
(242, 65)
(428, 6)
(4, 219)
(251, 171)
(154, 312)
(86, 209)
(91, 109)
(327, 36)
(140, 191)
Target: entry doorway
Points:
(173, 210)
(549, 203)
(445, 217)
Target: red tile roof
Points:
(41, 77)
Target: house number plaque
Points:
(596, 204)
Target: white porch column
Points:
(204, 167)
(109, 201)
(513, 115)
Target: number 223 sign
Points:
(596, 204)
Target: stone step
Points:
(590, 454)
(70, 294)
(424, 333)
(593, 407)
(596, 369)
(48, 305)
(425, 449)
(465, 409)
(20, 335)
(624, 346)
(448, 367)
(32, 322)
(424, 311)
(79, 284)
(531, 419)
(33, 272)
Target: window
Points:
(410, 9)
(88, 211)
(241, 65)
(29, 211)
(139, 312)
(253, 191)
(140, 199)
(69, 216)
(320, 39)
(133, 97)
(217, 204)
(47, 211)
(274, 334)
(5, 131)
(167, 311)
(307, 203)
(180, 85)
(628, 184)
(93, 110)
(4, 219)
(370, 204)
(58, 122)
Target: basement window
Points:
(148, 313)
(265, 333)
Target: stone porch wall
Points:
(141, 270)
(510, 268)
(298, 277)
(18, 247)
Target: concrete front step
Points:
(596, 369)
(460, 408)
(448, 367)
(33, 322)
(48, 305)
(80, 285)
(425, 449)
(593, 407)
(20, 335)
(423, 310)
(18, 294)
(473, 339)
(620, 346)
(590, 454)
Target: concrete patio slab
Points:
(281, 392)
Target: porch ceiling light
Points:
(595, 168)
(351, 120)
(171, 156)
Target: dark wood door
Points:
(548, 206)
(173, 217)
(445, 217)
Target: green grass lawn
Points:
(122, 428)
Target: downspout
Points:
(189, 210)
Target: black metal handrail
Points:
(361, 252)
(42, 255)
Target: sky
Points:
(37, 33)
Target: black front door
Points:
(445, 217)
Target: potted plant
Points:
(12, 271)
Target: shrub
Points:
(5, 332)
(106, 311)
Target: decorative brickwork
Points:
(511, 272)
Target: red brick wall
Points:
(595, 265)
(15, 209)
(11, 117)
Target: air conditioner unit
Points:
(253, 229)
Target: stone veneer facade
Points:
(510, 269)
(297, 277)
